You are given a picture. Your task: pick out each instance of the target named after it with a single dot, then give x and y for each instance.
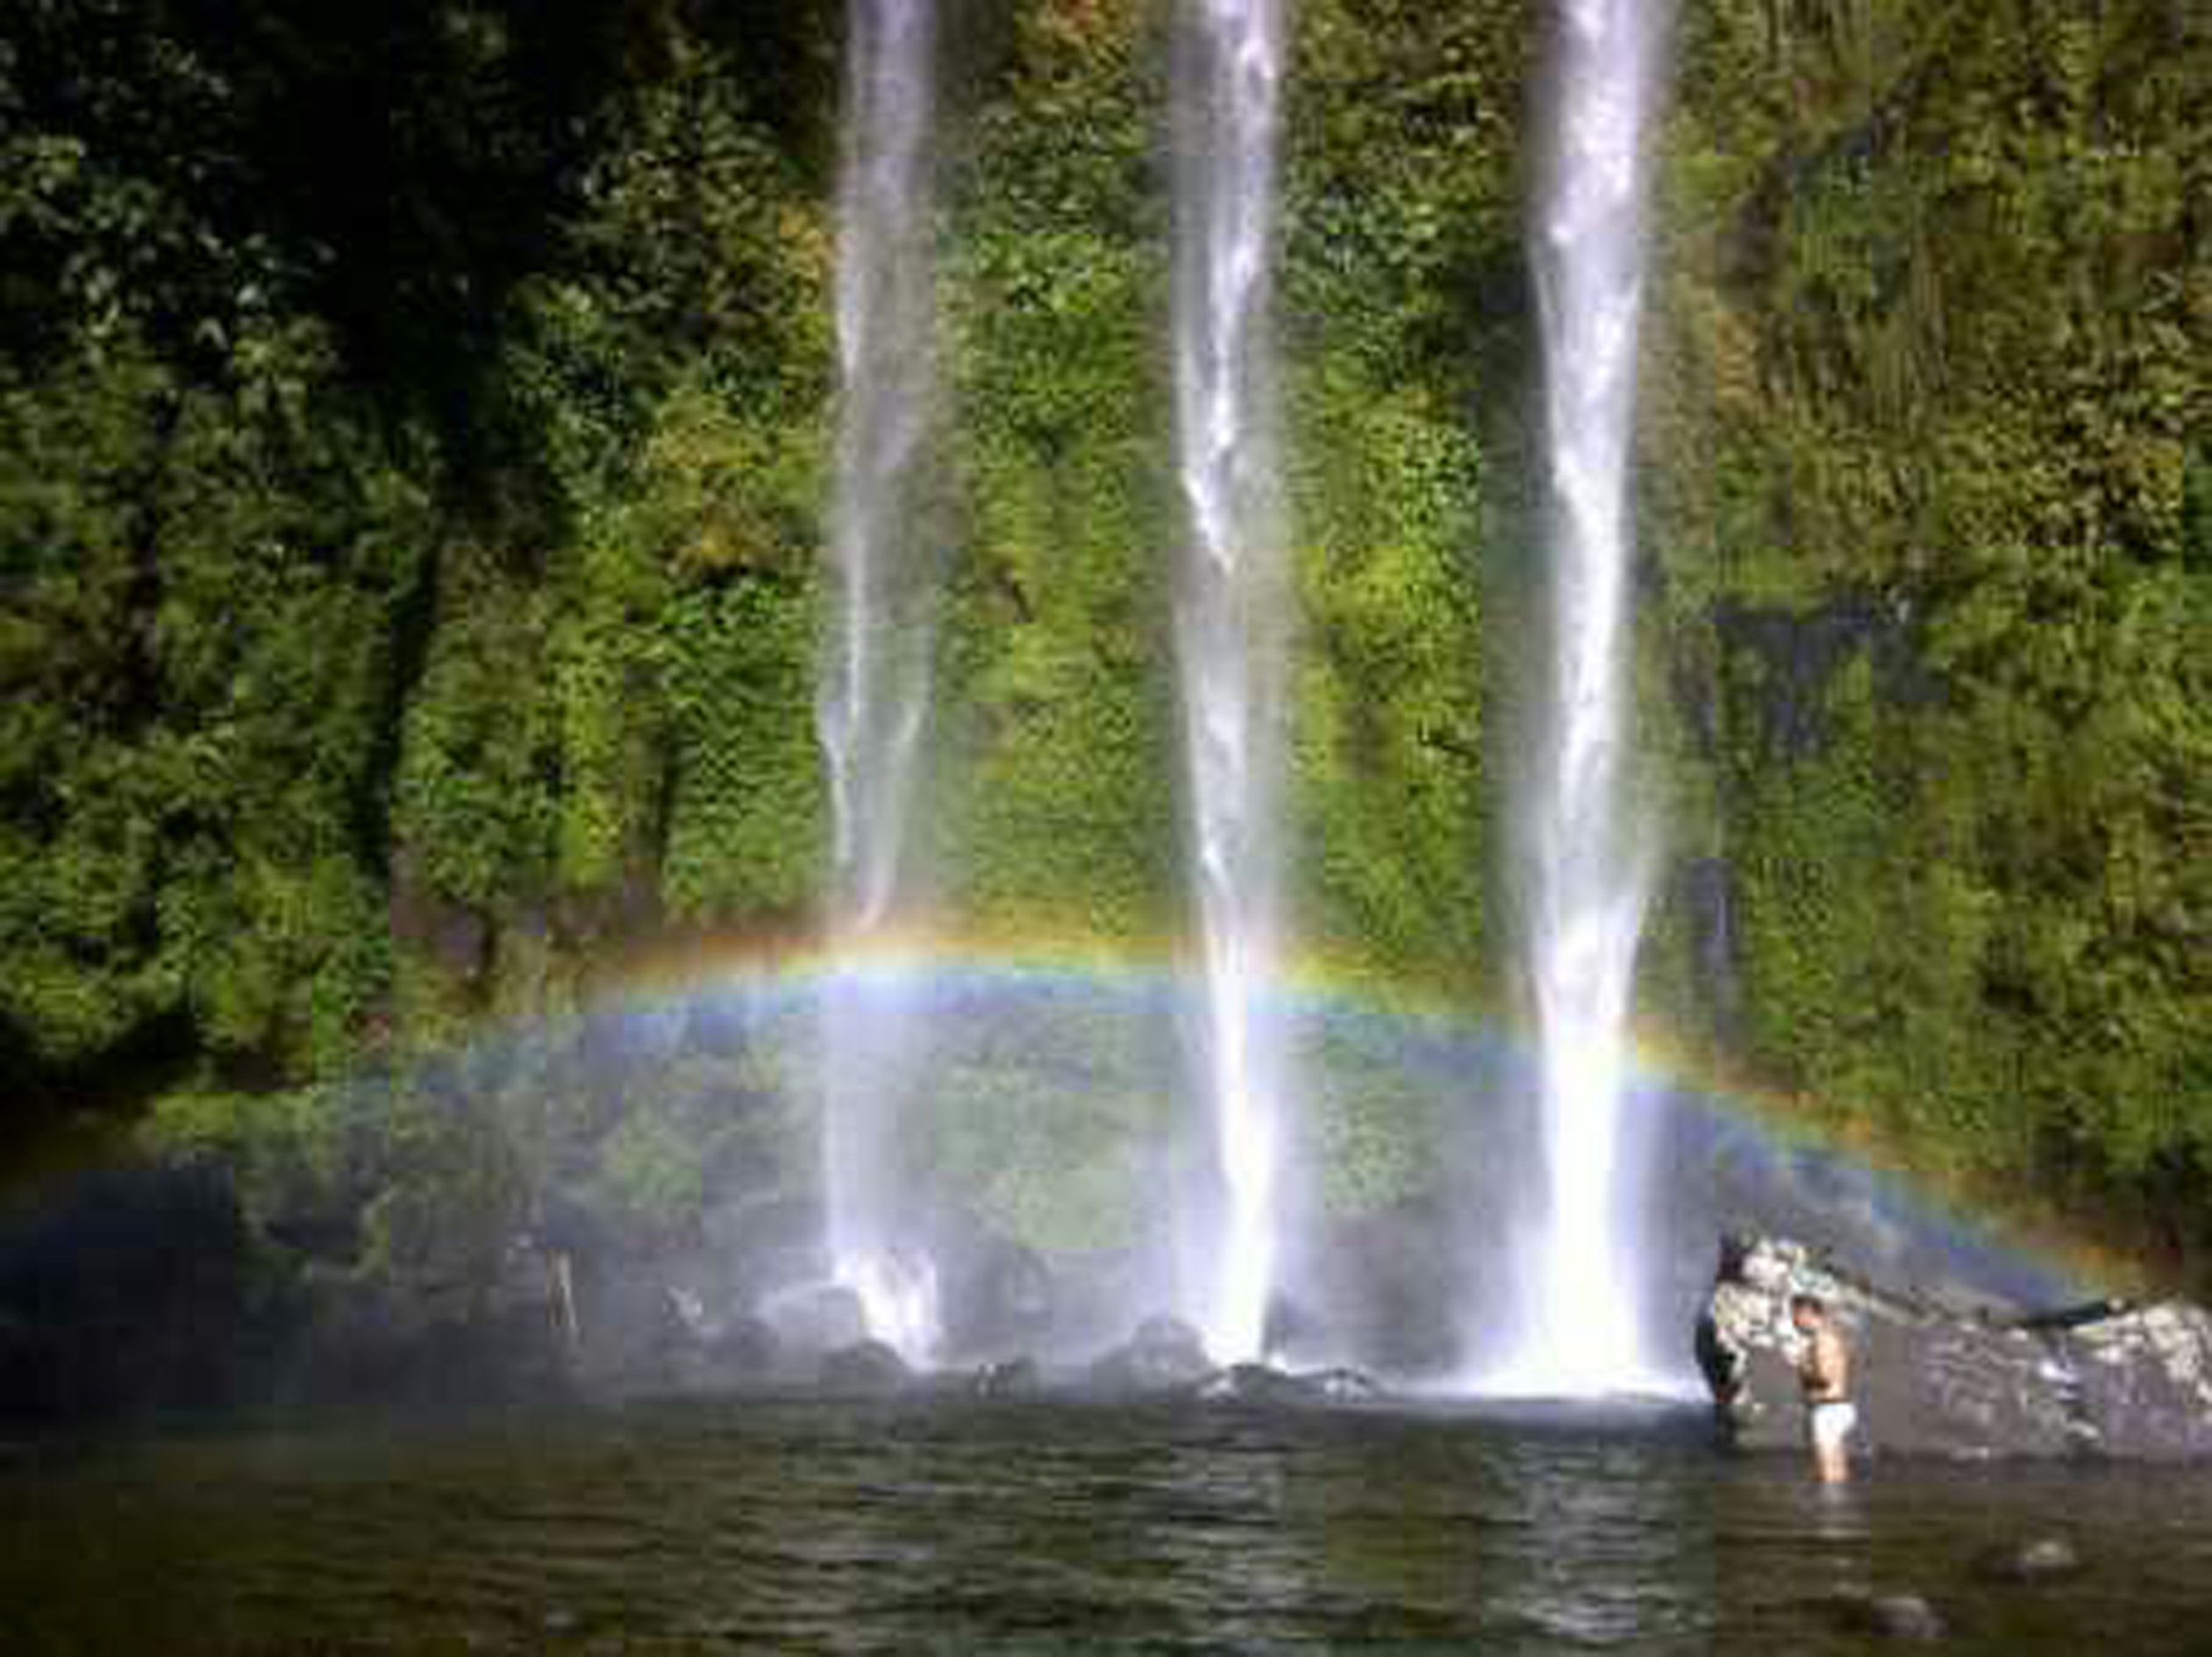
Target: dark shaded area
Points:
(130, 1291)
(1798, 655)
(397, 169)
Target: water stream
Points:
(1578, 1328)
(873, 697)
(1229, 620)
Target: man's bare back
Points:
(1824, 1372)
(1826, 1369)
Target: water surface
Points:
(955, 1526)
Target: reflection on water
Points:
(959, 1527)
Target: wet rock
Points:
(866, 1367)
(2145, 1381)
(1253, 1383)
(1345, 1386)
(1165, 1354)
(1904, 1616)
(1015, 1378)
(1263, 1384)
(1931, 1379)
(2044, 1560)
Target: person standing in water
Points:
(1824, 1372)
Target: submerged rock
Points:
(1889, 1615)
(1165, 1355)
(864, 1367)
(1932, 1380)
(2044, 1560)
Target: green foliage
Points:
(1052, 795)
(204, 593)
(652, 1169)
(1391, 792)
(1930, 271)
(1374, 1132)
(423, 507)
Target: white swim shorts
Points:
(1832, 1423)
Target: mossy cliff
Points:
(413, 436)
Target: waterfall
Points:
(1579, 1330)
(873, 700)
(1228, 625)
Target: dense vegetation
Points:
(1932, 523)
(413, 428)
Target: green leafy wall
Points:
(1927, 468)
(413, 440)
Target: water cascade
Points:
(873, 699)
(1577, 1331)
(1230, 624)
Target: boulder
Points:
(1936, 1380)
(2044, 1560)
(867, 1367)
(1888, 1616)
(1164, 1355)
(1345, 1386)
(2144, 1380)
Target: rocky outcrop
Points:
(865, 1369)
(1263, 1384)
(1165, 1360)
(2103, 1380)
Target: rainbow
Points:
(1762, 1126)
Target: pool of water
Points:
(962, 1526)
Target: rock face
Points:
(865, 1369)
(2104, 1380)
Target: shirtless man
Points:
(1825, 1371)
